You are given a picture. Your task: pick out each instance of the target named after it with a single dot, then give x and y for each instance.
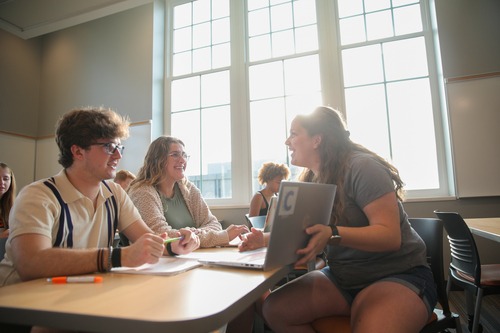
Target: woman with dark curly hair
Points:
(270, 175)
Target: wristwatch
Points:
(335, 238)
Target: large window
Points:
(283, 74)
(387, 85)
(240, 71)
(200, 107)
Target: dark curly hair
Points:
(270, 170)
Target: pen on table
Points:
(75, 279)
(170, 240)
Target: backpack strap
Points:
(64, 218)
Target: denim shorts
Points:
(419, 279)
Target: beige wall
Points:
(20, 64)
(103, 62)
(469, 36)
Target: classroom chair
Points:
(465, 268)
(431, 232)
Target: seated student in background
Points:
(270, 174)
(377, 271)
(65, 225)
(168, 201)
(7, 196)
(124, 178)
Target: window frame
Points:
(332, 87)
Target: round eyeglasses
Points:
(177, 155)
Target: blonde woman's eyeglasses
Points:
(177, 155)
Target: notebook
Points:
(299, 205)
(165, 266)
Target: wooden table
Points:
(485, 227)
(200, 300)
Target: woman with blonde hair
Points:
(168, 201)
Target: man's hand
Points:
(147, 249)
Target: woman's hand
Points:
(320, 234)
(187, 244)
(252, 240)
(234, 231)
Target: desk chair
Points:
(466, 270)
(431, 232)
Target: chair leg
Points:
(458, 325)
(470, 322)
(477, 313)
(469, 303)
(448, 286)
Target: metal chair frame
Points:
(465, 268)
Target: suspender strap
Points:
(111, 226)
(65, 216)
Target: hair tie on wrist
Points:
(169, 250)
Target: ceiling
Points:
(33, 18)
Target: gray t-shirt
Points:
(366, 181)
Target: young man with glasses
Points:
(65, 225)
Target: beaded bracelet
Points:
(110, 255)
(100, 257)
(97, 263)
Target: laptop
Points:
(299, 205)
(270, 214)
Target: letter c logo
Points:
(286, 204)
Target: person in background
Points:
(168, 201)
(377, 270)
(124, 178)
(65, 225)
(7, 196)
(270, 174)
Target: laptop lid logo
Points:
(289, 199)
